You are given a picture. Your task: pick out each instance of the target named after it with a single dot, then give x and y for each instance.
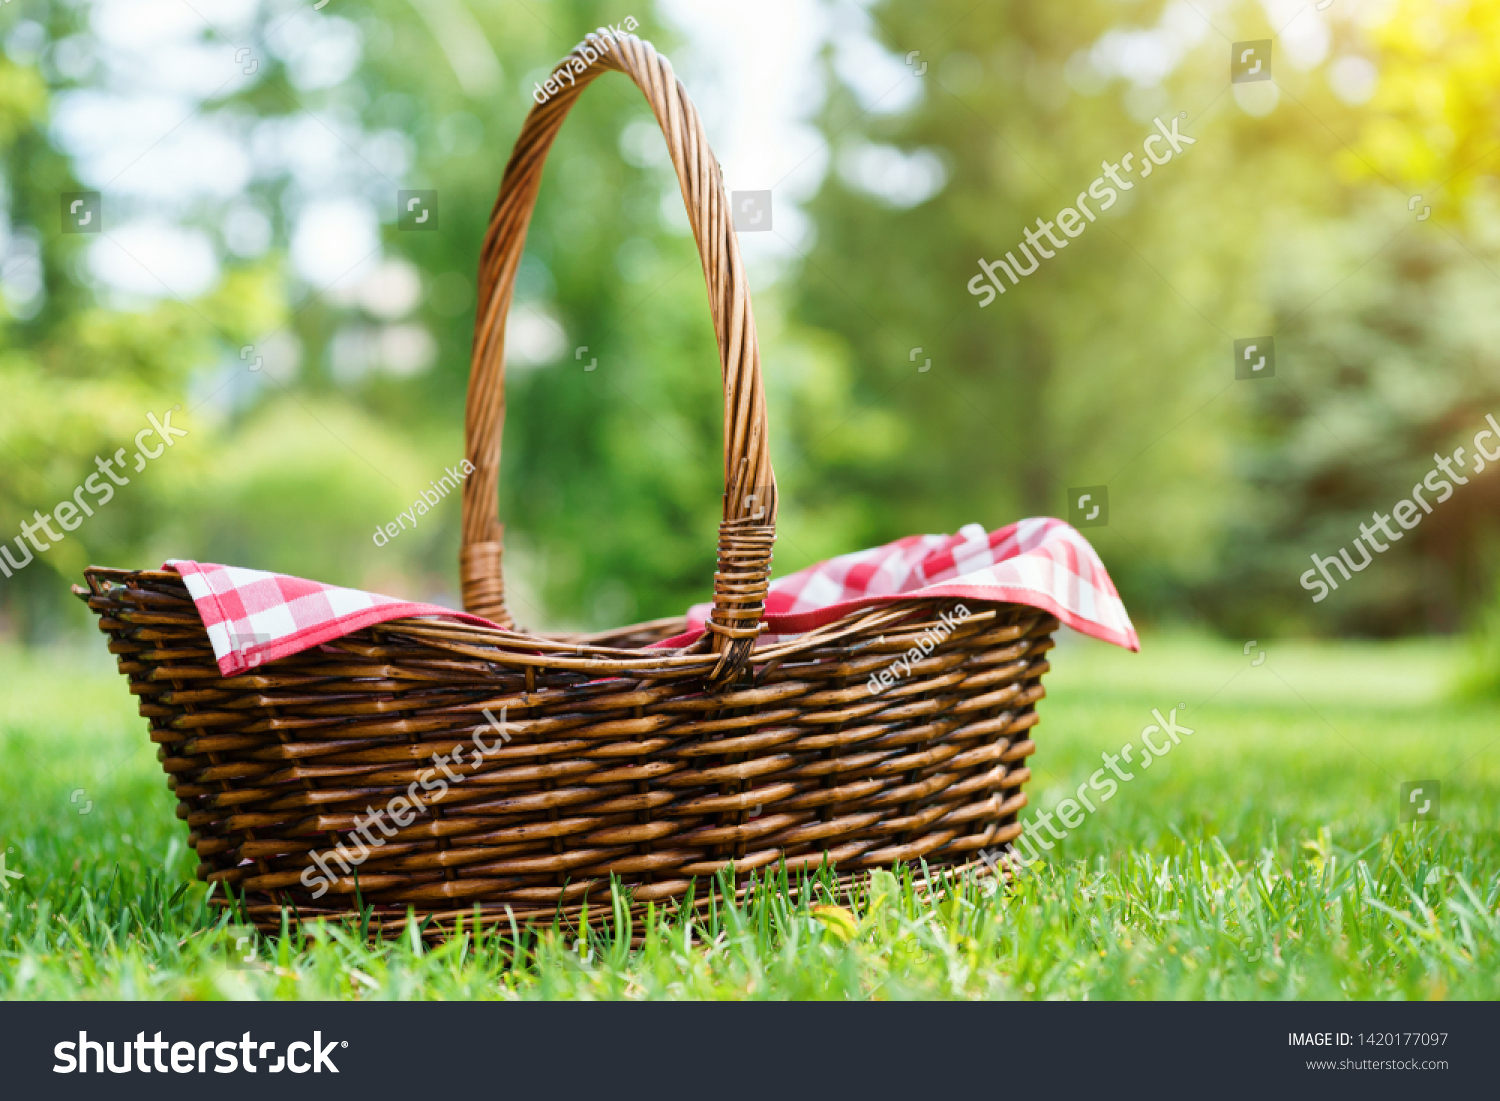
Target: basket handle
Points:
(748, 528)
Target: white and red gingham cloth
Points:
(253, 617)
(1041, 562)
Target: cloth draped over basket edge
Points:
(1040, 562)
(253, 616)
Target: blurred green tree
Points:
(320, 404)
(1112, 364)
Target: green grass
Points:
(1262, 858)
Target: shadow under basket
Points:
(659, 766)
(616, 765)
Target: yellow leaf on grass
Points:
(837, 920)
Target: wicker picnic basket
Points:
(655, 767)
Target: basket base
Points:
(436, 926)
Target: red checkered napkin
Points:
(253, 617)
(1041, 562)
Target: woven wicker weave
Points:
(655, 766)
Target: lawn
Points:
(1262, 857)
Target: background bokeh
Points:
(249, 152)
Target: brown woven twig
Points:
(311, 781)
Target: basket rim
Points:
(546, 651)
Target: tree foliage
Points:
(1111, 365)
